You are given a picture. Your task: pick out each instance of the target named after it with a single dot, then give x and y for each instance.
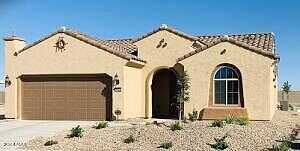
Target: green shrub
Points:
(284, 146)
(185, 119)
(176, 126)
(100, 125)
(230, 120)
(166, 145)
(193, 116)
(50, 143)
(76, 131)
(291, 107)
(217, 123)
(242, 121)
(148, 123)
(129, 139)
(220, 144)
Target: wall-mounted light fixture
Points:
(7, 81)
(116, 80)
(116, 83)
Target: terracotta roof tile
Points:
(262, 43)
(123, 45)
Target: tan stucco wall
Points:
(78, 58)
(135, 98)
(256, 78)
(134, 104)
(273, 89)
(158, 58)
(10, 71)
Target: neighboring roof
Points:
(92, 41)
(261, 43)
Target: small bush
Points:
(166, 145)
(129, 139)
(76, 131)
(100, 125)
(176, 126)
(185, 119)
(220, 144)
(148, 123)
(230, 120)
(50, 143)
(284, 146)
(242, 121)
(193, 116)
(217, 123)
(291, 107)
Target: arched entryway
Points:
(163, 94)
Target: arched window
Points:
(227, 87)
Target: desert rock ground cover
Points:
(258, 135)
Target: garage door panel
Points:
(31, 114)
(65, 99)
(94, 114)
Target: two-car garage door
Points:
(66, 97)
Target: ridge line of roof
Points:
(237, 34)
(172, 30)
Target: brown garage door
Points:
(66, 98)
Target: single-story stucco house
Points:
(69, 75)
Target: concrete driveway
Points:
(15, 133)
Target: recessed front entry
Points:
(163, 94)
(65, 98)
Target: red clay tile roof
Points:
(261, 43)
(264, 41)
(123, 45)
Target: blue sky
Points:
(32, 19)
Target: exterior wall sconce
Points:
(7, 81)
(116, 83)
(116, 80)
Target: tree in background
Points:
(182, 91)
(286, 88)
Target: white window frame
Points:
(226, 91)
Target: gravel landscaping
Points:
(258, 135)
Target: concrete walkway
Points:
(15, 133)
